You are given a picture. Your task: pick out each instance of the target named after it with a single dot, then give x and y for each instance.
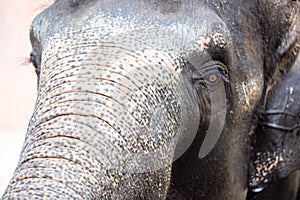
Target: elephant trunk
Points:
(106, 122)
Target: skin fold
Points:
(150, 99)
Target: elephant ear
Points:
(275, 149)
(277, 145)
(280, 24)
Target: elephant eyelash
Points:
(29, 60)
(24, 61)
(224, 75)
(32, 59)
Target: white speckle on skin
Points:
(291, 90)
(202, 42)
(259, 189)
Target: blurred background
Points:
(17, 81)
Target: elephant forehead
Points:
(134, 26)
(114, 39)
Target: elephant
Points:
(276, 153)
(150, 99)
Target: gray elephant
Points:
(150, 99)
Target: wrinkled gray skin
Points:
(277, 143)
(122, 83)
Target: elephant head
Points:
(147, 99)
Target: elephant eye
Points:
(212, 78)
(214, 71)
(33, 60)
(208, 75)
